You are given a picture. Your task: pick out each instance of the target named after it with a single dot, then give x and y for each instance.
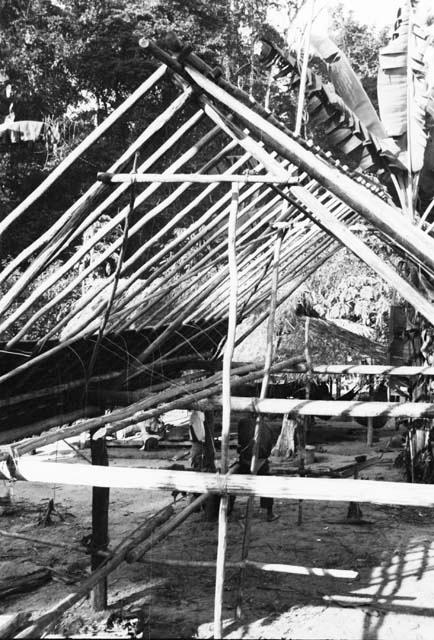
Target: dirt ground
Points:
(393, 553)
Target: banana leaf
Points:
(327, 108)
(402, 87)
(347, 84)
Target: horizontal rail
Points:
(370, 369)
(280, 487)
(332, 408)
(203, 178)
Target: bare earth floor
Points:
(393, 553)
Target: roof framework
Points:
(291, 207)
(179, 275)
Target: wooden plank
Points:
(279, 487)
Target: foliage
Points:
(346, 288)
(361, 44)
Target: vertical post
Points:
(370, 433)
(226, 409)
(100, 510)
(264, 388)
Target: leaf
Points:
(342, 125)
(347, 84)
(402, 87)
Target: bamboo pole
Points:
(203, 227)
(10, 435)
(244, 140)
(85, 144)
(138, 554)
(269, 354)
(70, 287)
(226, 411)
(204, 262)
(148, 407)
(63, 229)
(278, 487)
(49, 391)
(355, 195)
(49, 543)
(320, 215)
(128, 178)
(50, 617)
(119, 217)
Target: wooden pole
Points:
(119, 217)
(100, 515)
(209, 178)
(156, 405)
(80, 253)
(355, 195)
(48, 619)
(82, 147)
(269, 353)
(226, 411)
(137, 555)
(65, 229)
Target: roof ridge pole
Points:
(226, 410)
(385, 217)
(82, 147)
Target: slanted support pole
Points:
(100, 511)
(226, 412)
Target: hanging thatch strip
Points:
(343, 127)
